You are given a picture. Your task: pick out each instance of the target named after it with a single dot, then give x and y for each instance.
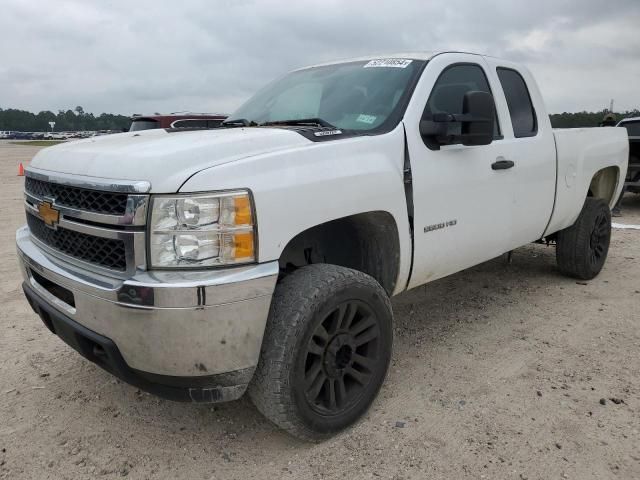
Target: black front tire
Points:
(582, 248)
(325, 352)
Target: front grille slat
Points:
(110, 203)
(105, 252)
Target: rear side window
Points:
(633, 128)
(448, 93)
(523, 115)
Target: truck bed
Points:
(580, 154)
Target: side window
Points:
(633, 128)
(448, 93)
(523, 115)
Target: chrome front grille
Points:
(106, 252)
(111, 203)
(101, 223)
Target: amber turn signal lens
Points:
(243, 245)
(242, 210)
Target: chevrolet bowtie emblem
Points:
(50, 215)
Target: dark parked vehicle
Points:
(22, 136)
(172, 120)
(632, 181)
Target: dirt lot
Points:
(498, 372)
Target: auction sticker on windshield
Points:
(389, 62)
(366, 118)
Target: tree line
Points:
(79, 120)
(586, 119)
(66, 121)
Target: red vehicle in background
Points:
(176, 120)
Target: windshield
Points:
(352, 96)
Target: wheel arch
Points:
(368, 242)
(604, 184)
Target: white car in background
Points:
(55, 136)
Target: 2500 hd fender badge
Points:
(48, 214)
(439, 226)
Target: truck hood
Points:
(165, 159)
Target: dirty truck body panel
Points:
(156, 254)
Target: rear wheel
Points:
(326, 351)
(582, 248)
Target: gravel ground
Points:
(501, 371)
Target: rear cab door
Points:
(529, 143)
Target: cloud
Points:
(147, 56)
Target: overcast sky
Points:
(147, 56)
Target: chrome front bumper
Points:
(164, 323)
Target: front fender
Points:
(309, 185)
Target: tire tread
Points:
(292, 303)
(572, 243)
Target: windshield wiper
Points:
(239, 122)
(318, 122)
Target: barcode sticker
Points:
(389, 63)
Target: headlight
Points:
(201, 230)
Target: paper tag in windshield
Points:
(362, 118)
(389, 63)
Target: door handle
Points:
(502, 164)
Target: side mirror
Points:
(478, 130)
(477, 120)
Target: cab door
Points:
(530, 145)
(461, 194)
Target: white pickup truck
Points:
(261, 256)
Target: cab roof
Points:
(630, 119)
(424, 55)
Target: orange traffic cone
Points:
(20, 170)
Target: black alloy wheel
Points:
(325, 352)
(600, 236)
(341, 357)
(582, 248)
